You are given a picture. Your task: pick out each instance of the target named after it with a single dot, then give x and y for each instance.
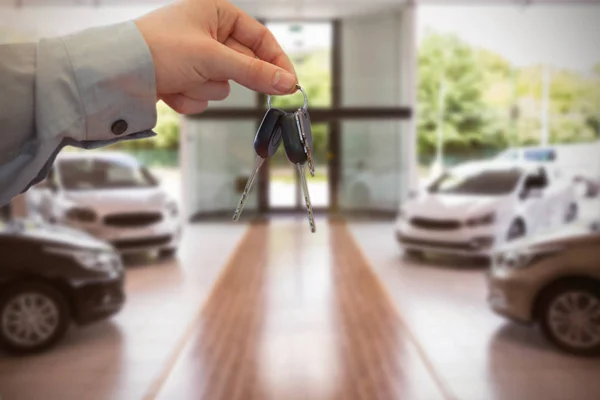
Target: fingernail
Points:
(284, 82)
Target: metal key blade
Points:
(309, 209)
(258, 162)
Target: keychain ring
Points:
(298, 87)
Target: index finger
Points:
(259, 39)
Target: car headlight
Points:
(172, 209)
(486, 219)
(81, 214)
(104, 261)
(523, 259)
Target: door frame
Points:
(331, 115)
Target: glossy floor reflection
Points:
(475, 353)
(121, 357)
(299, 316)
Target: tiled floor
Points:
(320, 334)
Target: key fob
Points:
(292, 139)
(268, 135)
(304, 118)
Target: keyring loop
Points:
(298, 87)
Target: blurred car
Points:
(49, 277)
(472, 208)
(588, 186)
(552, 280)
(113, 197)
(529, 154)
(578, 162)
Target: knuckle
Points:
(255, 68)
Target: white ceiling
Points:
(288, 9)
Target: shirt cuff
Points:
(115, 77)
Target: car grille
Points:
(129, 244)
(132, 220)
(437, 244)
(435, 224)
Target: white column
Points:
(409, 87)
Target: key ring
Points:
(298, 87)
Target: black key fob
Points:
(268, 135)
(292, 138)
(304, 118)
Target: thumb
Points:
(253, 73)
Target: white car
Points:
(471, 209)
(112, 197)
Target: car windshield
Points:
(480, 182)
(85, 174)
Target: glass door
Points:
(309, 46)
(284, 183)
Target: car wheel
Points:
(33, 317)
(168, 253)
(516, 230)
(570, 316)
(571, 213)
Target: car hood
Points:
(119, 200)
(453, 206)
(564, 236)
(55, 235)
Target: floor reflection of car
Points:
(113, 197)
(553, 280)
(472, 208)
(50, 276)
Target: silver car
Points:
(114, 198)
(553, 280)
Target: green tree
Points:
(467, 123)
(314, 76)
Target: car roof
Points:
(496, 165)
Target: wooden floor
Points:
(297, 315)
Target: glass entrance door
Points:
(309, 47)
(285, 192)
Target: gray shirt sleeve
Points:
(87, 90)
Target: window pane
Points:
(374, 166)
(309, 47)
(220, 158)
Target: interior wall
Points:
(374, 153)
(31, 23)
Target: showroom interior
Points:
(456, 202)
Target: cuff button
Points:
(119, 127)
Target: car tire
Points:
(44, 300)
(572, 213)
(167, 253)
(565, 299)
(516, 230)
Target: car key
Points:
(295, 149)
(303, 127)
(266, 143)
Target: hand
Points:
(199, 45)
